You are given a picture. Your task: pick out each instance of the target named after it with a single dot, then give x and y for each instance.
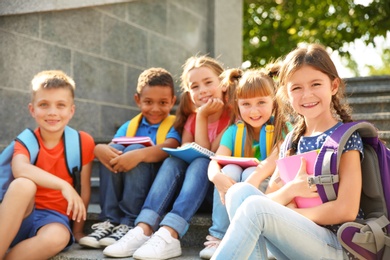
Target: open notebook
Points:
(288, 168)
(189, 152)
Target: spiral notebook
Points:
(288, 168)
(189, 152)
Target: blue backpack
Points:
(368, 238)
(72, 150)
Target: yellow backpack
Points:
(162, 130)
(265, 140)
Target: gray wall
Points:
(104, 45)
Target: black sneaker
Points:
(117, 233)
(102, 230)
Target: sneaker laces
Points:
(119, 231)
(131, 234)
(212, 242)
(102, 229)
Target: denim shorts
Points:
(37, 219)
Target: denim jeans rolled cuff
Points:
(149, 217)
(176, 222)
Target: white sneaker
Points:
(117, 233)
(126, 246)
(161, 246)
(211, 246)
(102, 230)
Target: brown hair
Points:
(155, 77)
(49, 79)
(255, 83)
(313, 55)
(186, 106)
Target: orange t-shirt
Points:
(53, 161)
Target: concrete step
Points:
(191, 243)
(79, 253)
(194, 238)
(381, 120)
(368, 86)
(370, 104)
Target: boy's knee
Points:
(55, 235)
(23, 186)
(133, 147)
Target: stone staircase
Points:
(370, 100)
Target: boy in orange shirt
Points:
(39, 204)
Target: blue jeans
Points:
(181, 184)
(258, 223)
(123, 194)
(220, 218)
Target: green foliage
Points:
(385, 69)
(274, 27)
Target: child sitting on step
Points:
(127, 172)
(311, 88)
(40, 203)
(257, 131)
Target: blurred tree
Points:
(274, 27)
(385, 69)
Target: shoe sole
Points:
(166, 256)
(90, 244)
(117, 255)
(107, 243)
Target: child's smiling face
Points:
(256, 111)
(52, 108)
(310, 92)
(155, 103)
(204, 85)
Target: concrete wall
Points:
(104, 45)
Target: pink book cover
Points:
(125, 140)
(288, 168)
(244, 162)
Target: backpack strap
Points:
(328, 160)
(28, 139)
(162, 130)
(133, 125)
(265, 140)
(73, 155)
(238, 140)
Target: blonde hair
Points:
(315, 56)
(50, 79)
(186, 106)
(254, 83)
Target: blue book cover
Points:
(189, 152)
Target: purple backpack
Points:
(368, 238)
